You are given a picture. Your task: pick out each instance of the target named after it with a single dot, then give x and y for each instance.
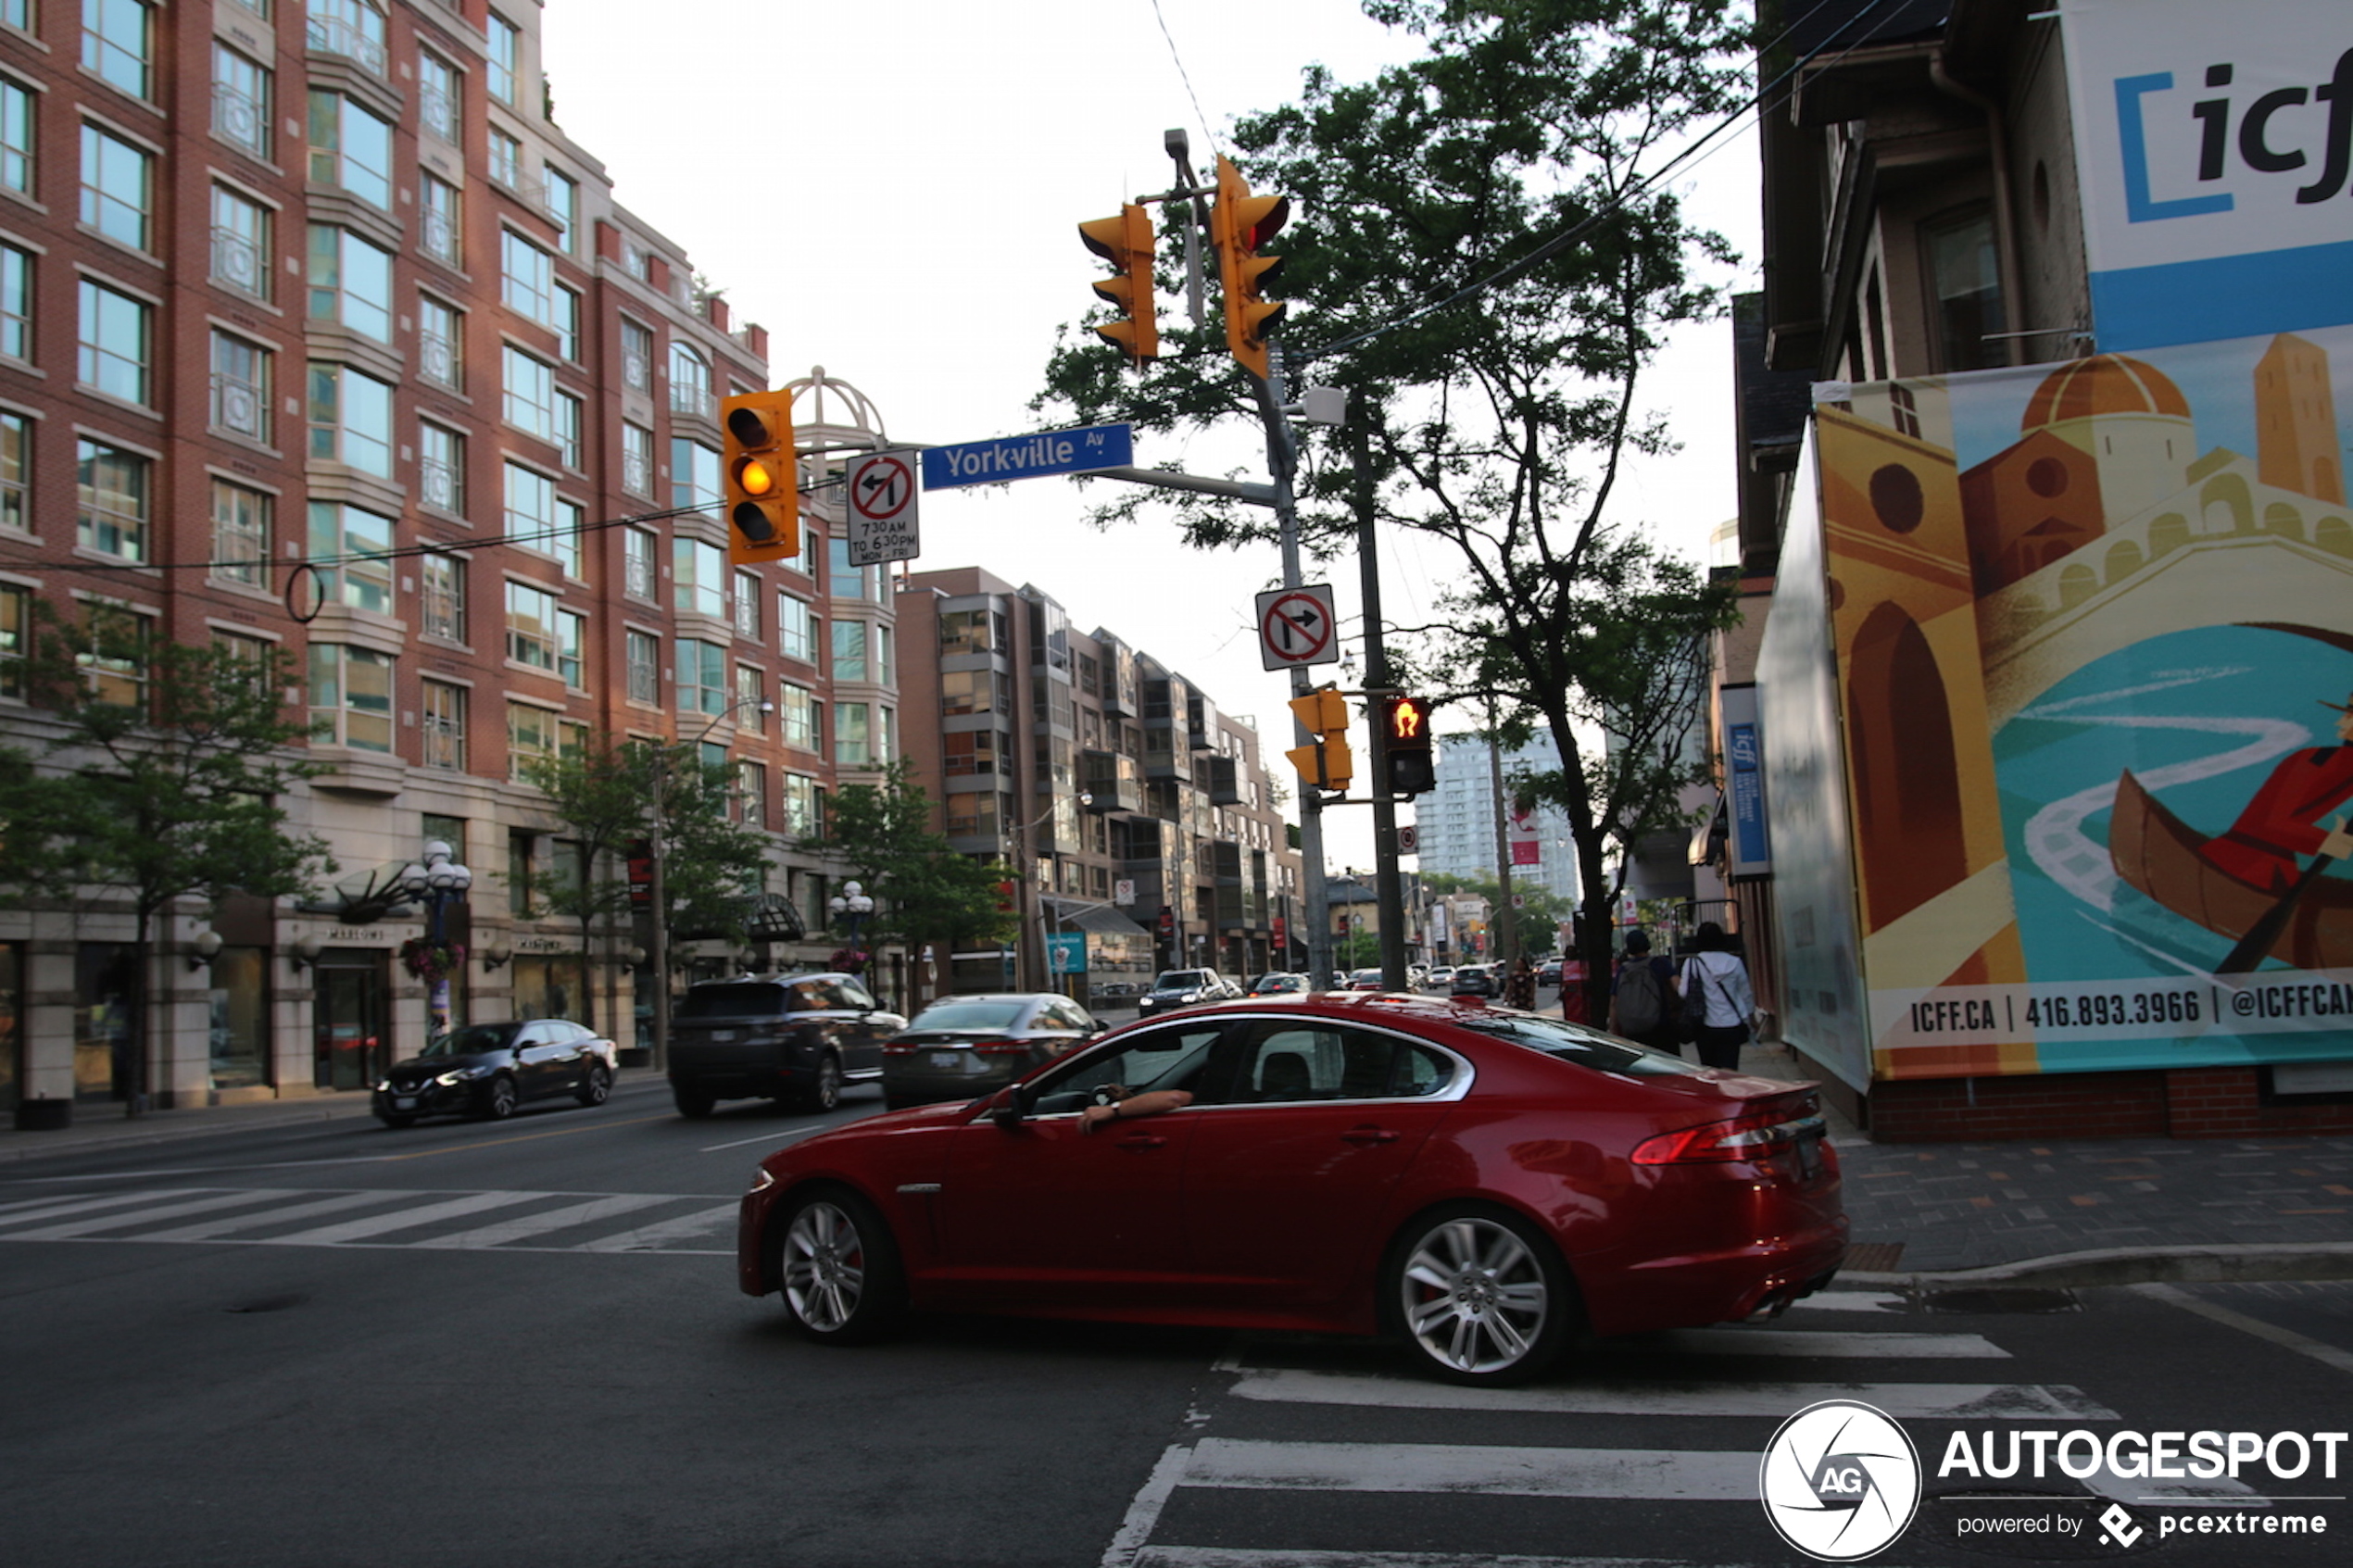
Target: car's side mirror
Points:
(1009, 1107)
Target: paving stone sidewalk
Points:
(1971, 1205)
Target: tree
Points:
(162, 782)
(924, 891)
(1536, 919)
(1479, 251)
(603, 793)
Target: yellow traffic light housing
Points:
(1327, 763)
(760, 477)
(1127, 242)
(1238, 224)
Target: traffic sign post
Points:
(883, 509)
(1295, 627)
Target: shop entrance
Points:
(347, 1019)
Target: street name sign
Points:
(881, 508)
(1295, 627)
(1029, 456)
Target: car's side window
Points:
(809, 996)
(1162, 1059)
(855, 995)
(1289, 1062)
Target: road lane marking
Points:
(208, 1229)
(1143, 1512)
(1989, 1402)
(36, 1209)
(2286, 1338)
(378, 1225)
(639, 1240)
(769, 1137)
(160, 1211)
(539, 1224)
(1807, 1342)
(1257, 1556)
(1460, 1470)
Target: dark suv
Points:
(1185, 988)
(793, 1038)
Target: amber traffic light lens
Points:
(753, 479)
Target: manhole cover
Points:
(2002, 1298)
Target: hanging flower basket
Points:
(430, 959)
(850, 960)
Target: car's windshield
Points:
(970, 1012)
(1273, 983)
(1178, 980)
(1362, 975)
(756, 1000)
(474, 1039)
(1568, 1041)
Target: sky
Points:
(892, 190)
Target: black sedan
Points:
(961, 1047)
(491, 1069)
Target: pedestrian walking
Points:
(1717, 1001)
(1520, 986)
(1642, 1004)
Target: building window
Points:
(844, 581)
(346, 28)
(966, 691)
(505, 55)
(567, 323)
(239, 242)
(698, 577)
(694, 475)
(16, 471)
(637, 356)
(852, 740)
(564, 203)
(240, 101)
(534, 733)
(796, 630)
(702, 677)
(638, 548)
(531, 509)
(568, 422)
(879, 648)
(350, 148)
(505, 159)
(118, 671)
(644, 650)
(750, 691)
(16, 637)
(114, 343)
(15, 303)
(16, 136)
(751, 793)
(117, 182)
(530, 626)
(636, 459)
(350, 281)
(444, 723)
(440, 97)
(438, 220)
(1964, 275)
(689, 381)
(747, 605)
(441, 596)
(117, 44)
(441, 469)
(804, 807)
(114, 487)
(527, 278)
(886, 736)
(440, 343)
(530, 402)
(351, 549)
(796, 716)
(240, 386)
(571, 521)
(351, 419)
(351, 697)
(849, 651)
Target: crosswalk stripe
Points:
(208, 1229)
(1261, 1557)
(33, 1211)
(1849, 1302)
(540, 1223)
(1990, 1402)
(379, 1224)
(1807, 1342)
(1459, 1469)
(646, 1238)
(161, 1211)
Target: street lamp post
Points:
(658, 895)
(438, 881)
(852, 904)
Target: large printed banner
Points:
(2092, 627)
(2214, 146)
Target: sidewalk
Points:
(2091, 1210)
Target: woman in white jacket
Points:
(1715, 983)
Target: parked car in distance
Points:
(1363, 980)
(1472, 980)
(1442, 977)
(1185, 988)
(1484, 1185)
(1280, 983)
(960, 1046)
(492, 1070)
(1549, 972)
(797, 1038)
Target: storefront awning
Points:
(1096, 920)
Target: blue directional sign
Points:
(1028, 456)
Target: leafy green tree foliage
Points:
(162, 781)
(923, 890)
(1515, 153)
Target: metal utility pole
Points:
(1389, 887)
(1281, 456)
(1506, 925)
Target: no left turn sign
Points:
(1295, 627)
(882, 510)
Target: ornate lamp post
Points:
(852, 904)
(438, 881)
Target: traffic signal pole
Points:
(1389, 885)
(1281, 459)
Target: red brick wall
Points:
(2200, 1102)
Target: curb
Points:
(2221, 1264)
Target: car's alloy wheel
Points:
(1481, 1297)
(597, 1087)
(825, 1092)
(499, 1101)
(839, 1269)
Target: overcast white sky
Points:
(930, 161)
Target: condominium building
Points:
(316, 307)
(1134, 812)
(1456, 823)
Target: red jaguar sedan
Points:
(1483, 1183)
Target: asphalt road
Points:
(260, 1348)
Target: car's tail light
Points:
(1753, 1137)
(899, 1050)
(1002, 1047)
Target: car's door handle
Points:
(1141, 1140)
(1369, 1135)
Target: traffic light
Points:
(1238, 224)
(760, 477)
(1405, 744)
(1327, 763)
(1127, 242)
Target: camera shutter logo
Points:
(1840, 1480)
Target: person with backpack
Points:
(1715, 991)
(1642, 1004)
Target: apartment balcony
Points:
(1115, 781)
